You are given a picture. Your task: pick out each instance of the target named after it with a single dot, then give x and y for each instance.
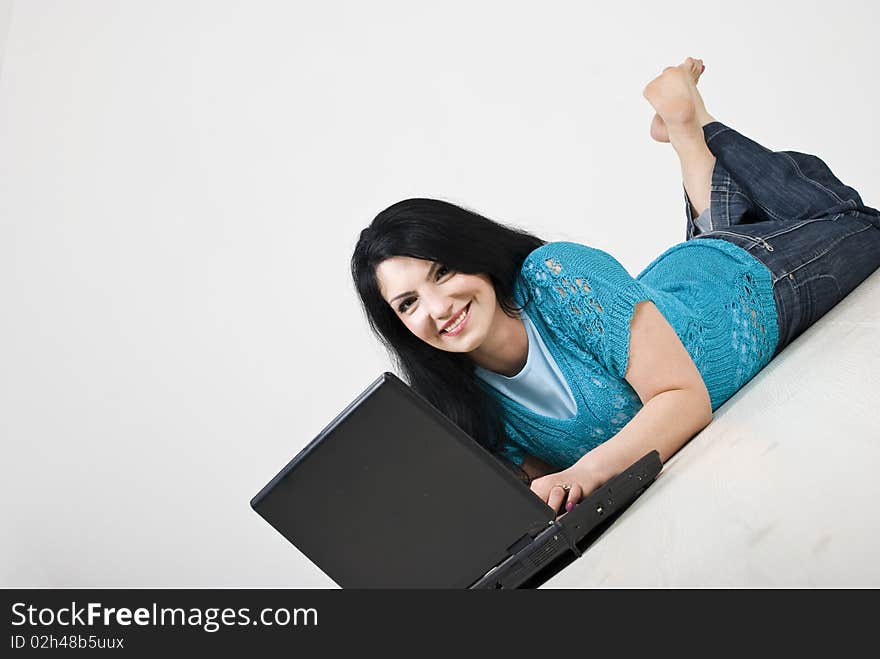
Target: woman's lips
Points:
(462, 324)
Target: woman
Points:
(558, 361)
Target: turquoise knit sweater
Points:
(717, 297)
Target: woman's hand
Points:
(579, 478)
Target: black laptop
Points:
(392, 494)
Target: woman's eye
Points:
(441, 271)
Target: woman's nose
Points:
(440, 309)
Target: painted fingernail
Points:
(569, 505)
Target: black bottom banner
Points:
(141, 622)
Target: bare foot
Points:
(679, 105)
(692, 69)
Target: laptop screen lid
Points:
(392, 494)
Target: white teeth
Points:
(457, 321)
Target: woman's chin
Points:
(459, 343)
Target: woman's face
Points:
(427, 297)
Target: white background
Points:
(182, 184)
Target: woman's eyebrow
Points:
(427, 277)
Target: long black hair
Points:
(463, 241)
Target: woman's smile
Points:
(459, 323)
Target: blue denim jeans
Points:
(790, 212)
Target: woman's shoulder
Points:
(565, 258)
(587, 298)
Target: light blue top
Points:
(540, 384)
(717, 297)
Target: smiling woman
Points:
(416, 267)
(553, 357)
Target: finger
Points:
(542, 493)
(557, 496)
(574, 496)
(541, 486)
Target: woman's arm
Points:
(665, 423)
(675, 406)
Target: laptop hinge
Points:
(527, 554)
(519, 544)
(529, 536)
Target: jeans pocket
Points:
(798, 225)
(822, 244)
